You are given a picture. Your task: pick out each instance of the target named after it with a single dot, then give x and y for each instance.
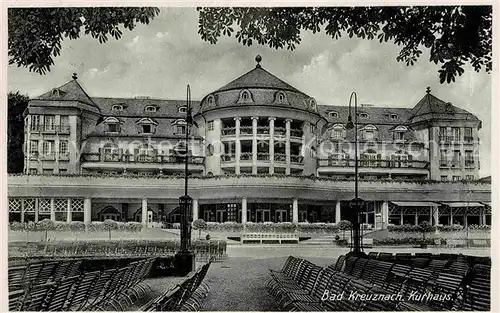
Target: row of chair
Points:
(405, 256)
(303, 286)
(183, 296)
(22, 276)
(83, 291)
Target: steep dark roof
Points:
(376, 115)
(258, 78)
(430, 105)
(135, 107)
(71, 91)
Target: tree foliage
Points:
(17, 103)
(35, 34)
(454, 35)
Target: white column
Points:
(451, 216)
(144, 213)
(254, 144)
(271, 145)
(337, 212)
(87, 210)
(195, 209)
(69, 217)
(416, 216)
(22, 209)
(482, 217)
(237, 145)
(295, 211)
(385, 214)
(244, 210)
(52, 210)
(37, 209)
(287, 146)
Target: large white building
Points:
(262, 151)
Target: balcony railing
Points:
(295, 133)
(280, 157)
(263, 130)
(263, 156)
(228, 157)
(141, 158)
(51, 128)
(280, 131)
(468, 139)
(372, 163)
(63, 156)
(246, 130)
(228, 131)
(296, 159)
(448, 163)
(246, 156)
(469, 163)
(48, 155)
(449, 139)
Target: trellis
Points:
(76, 205)
(15, 205)
(61, 205)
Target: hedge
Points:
(115, 247)
(443, 228)
(271, 227)
(404, 241)
(75, 226)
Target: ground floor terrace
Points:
(242, 199)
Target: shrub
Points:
(77, 226)
(45, 225)
(402, 241)
(110, 225)
(61, 226)
(199, 225)
(17, 226)
(133, 226)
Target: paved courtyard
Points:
(238, 282)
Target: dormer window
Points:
(333, 114)
(182, 109)
(150, 108)
(393, 116)
(210, 100)
(245, 97)
(146, 126)
(338, 132)
(312, 104)
(399, 133)
(280, 97)
(181, 126)
(117, 107)
(56, 92)
(113, 125)
(369, 132)
(363, 115)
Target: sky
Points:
(160, 59)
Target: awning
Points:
(486, 203)
(462, 204)
(415, 203)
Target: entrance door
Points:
(281, 216)
(206, 215)
(263, 215)
(220, 216)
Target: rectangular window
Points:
(456, 178)
(469, 158)
(368, 134)
(337, 134)
(469, 177)
(443, 158)
(113, 128)
(399, 136)
(313, 128)
(146, 129)
(455, 134)
(468, 134)
(35, 122)
(456, 158)
(33, 147)
(64, 123)
(33, 171)
(444, 178)
(181, 129)
(48, 170)
(210, 125)
(49, 122)
(48, 147)
(63, 147)
(63, 170)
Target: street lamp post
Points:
(356, 204)
(185, 258)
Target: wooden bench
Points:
(269, 237)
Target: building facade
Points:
(260, 150)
